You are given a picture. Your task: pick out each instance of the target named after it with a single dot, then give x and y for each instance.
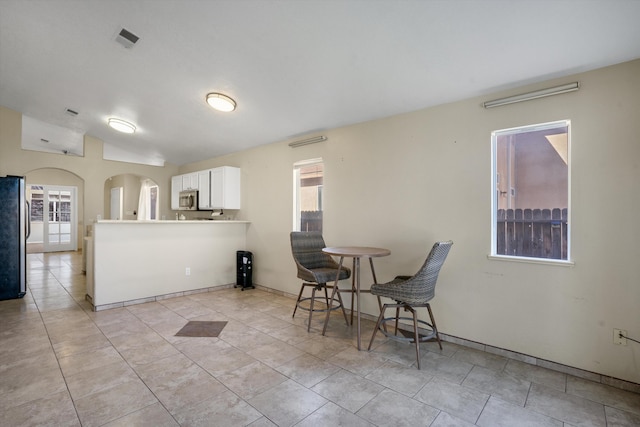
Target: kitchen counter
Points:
(139, 261)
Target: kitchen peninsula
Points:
(130, 262)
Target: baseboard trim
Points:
(121, 304)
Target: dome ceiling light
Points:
(122, 125)
(221, 102)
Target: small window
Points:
(307, 198)
(37, 203)
(59, 206)
(530, 191)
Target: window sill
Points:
(544, 261)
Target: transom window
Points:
(530, 191)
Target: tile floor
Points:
(63, 365)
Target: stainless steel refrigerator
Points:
(14, 230)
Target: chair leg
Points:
(416, 337)
(333, 294)
(353, 288)
(313, 299)
(435, 328)
(330, 305)
(384, 326)
(397, 316)
(298, 301)
(344, 313)
(375, 330)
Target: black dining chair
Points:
(409, 293)
(316, 269)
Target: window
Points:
(307, 198)
(37, 203)
(530, 191)
(59, 206)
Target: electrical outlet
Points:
(187, 272)
(617, 339)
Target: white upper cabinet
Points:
(204, 190)
(190, 181)
(218, 188)
(225, 188)
(176, 188)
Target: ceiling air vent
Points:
(127, 38)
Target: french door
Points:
(59, 220)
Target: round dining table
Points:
(357, 253)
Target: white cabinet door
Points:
(190, 181)
(186, 182)
(176, 188)
(194, 180)
(217, 188)
(225, 188)
(204, 189)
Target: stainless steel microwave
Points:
(188, 200)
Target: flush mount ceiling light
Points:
(121, 125)
(221, 102)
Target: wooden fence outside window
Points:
(536, 233)
(311, 221)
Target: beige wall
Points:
(90, 169)
(406, 181)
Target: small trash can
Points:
(244, 269)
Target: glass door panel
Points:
(59, 226)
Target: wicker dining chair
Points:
(411, 292)
(316, 269)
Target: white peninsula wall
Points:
(139, 261)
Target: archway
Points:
(129, 187)
(36, 181)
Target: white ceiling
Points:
(294, 67)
